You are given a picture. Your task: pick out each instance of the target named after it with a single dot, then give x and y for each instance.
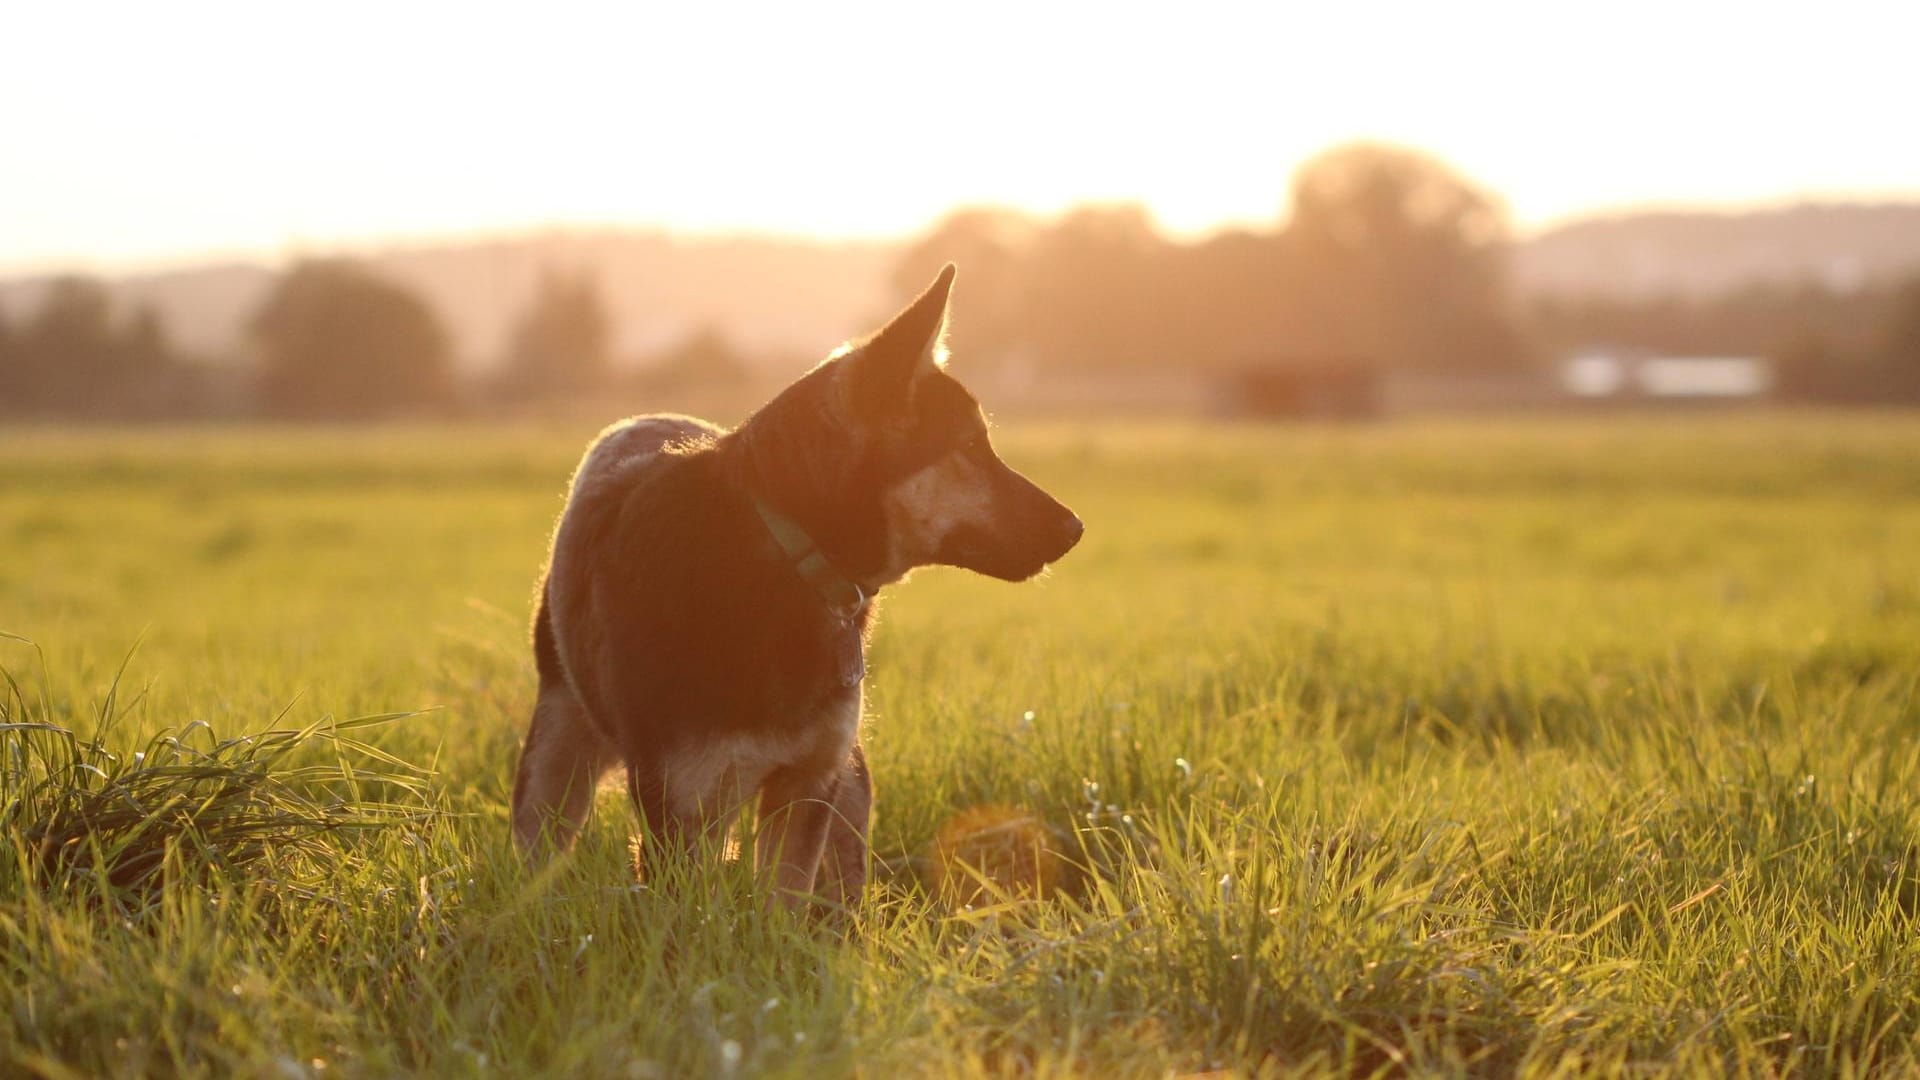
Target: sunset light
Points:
(141, 134)
(977, 540)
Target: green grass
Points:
(1520, 746)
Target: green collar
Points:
(843, 595)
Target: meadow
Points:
(1529, 746)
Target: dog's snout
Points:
(1068, 529)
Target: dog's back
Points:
(622, 453)
(614, 463)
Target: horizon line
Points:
(376, 244)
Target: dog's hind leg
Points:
(843, 862)
(561, 762)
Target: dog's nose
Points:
(1075, 529)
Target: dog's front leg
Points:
(843, 865)
(665, 835)
(796, 809)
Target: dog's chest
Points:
(718, 774)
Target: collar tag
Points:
(853, 658)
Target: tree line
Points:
(76, 356)
(1384, 260)
(333, 339)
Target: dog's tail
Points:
(546, 654)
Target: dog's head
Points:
(947, 496)
(920, 483)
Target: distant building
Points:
(1412, 393)
(1321, 391)
(1602, 375)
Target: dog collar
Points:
(843, 595)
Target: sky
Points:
(137, 135)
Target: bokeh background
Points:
(219, 212)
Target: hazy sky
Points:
(135, 134)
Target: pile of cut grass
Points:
(115, 819)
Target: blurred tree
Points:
(1389, 259)
(1236, 297)
(9, 366)
(336, 341)
(74, 359)
(561, 344)
(1095, 290)
(1901, 348)
(1407, 261)
(990, 245)
(67, 354)
(145, 348)
(1761, 319)
(703, 358)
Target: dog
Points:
(708, 597)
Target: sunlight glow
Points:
(151, 133)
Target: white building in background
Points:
(1601, 376)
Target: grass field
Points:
(1526, 746)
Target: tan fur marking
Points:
(720, 775)
(925, 508)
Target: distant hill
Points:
(776, 299)
(784, 302)
(1842, 245)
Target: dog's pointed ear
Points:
(912, 344)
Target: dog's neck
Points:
(843, 596)
(757, 467)
(794, 459)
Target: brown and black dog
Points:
(704, 615)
